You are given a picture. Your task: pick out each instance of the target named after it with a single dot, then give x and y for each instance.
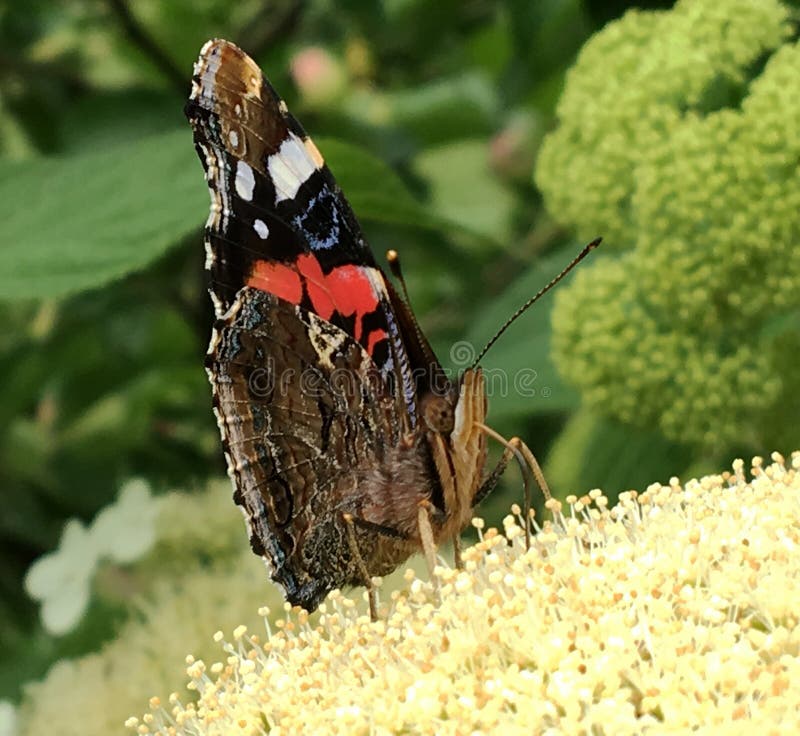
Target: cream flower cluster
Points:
(677, 609)
(93, 694)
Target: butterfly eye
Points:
(438, 413)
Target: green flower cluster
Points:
(679, 141)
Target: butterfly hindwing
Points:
(303, 413)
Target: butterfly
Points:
(349, 446)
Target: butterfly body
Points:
(330, 402)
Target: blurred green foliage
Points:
(430, 115)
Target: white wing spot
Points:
(233, 137)
(261, 228)
(237, 109)
(245, 181)
(210, 258)
(215, 300)
(206, 69)
(290, 167)
(214, 343)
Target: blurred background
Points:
(486, 141)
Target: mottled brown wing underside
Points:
(304, 413)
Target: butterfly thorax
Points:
(440, 464)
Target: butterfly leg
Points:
(387, 531)
(424, 514)
(491, 480)
(484, 490)
(457, 552)
(372, 592)
(528, 464)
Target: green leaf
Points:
(76, 223)
(597, 452)
(521, 378)
(456, 107)
(374, 190)
(463, 189)
(114, 116)
(490, 46)
(548, 33)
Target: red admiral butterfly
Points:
(348, 445)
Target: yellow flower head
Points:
(676, 609)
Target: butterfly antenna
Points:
(393, 258)
(574, 262)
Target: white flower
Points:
(121, 532)
(124, 531)
(61, 579)
(8, 719)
